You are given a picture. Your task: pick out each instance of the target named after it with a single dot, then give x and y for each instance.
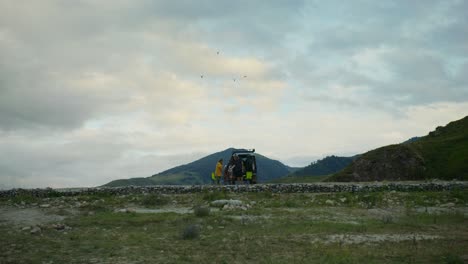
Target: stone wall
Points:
(274, 188)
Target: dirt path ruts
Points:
(27, 216)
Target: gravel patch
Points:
(28, 216)
(442, 210)
(372, 238)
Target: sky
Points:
(93, 91)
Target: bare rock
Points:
(125, 210)
(221, 203)
(36, 230)
(58, 226)
(449, 205)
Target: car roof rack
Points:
(246, 151)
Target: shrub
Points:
(25, 198)
(201, 211)
(452, 259)
(215, 195)
(372, 199)
(96, 208)
(266, 195)
(387, 219)
(191, 232)
(154, 200)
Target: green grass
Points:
(446, 155)
(178, 179)
(154, 200)
(278, 228)
(215, 195)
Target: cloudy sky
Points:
(92, 91)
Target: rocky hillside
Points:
(199, 172)
(442, 154)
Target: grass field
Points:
(381, 227)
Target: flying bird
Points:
(217, 53)
(245, 76)
(201, 76)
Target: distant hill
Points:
(325, 166)
(199, 171)
(442, 154)
(317, 171)
(411, 140)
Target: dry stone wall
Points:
(274, 188)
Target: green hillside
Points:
(442, 154)
(316, 171)
(132, 181)
(199, 171)
(325, 166)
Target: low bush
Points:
(191, 232)
(215, 195)
(201, 211)
(154, 200)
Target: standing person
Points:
(218, 171)
(227, 174)
(237, 169)
(248, 170)
(230, 169)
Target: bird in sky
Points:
(233, 79)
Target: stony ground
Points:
(221, 227)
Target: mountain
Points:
(411, 140)
(325, 166)
(317, 171)
(442, 154)
(199, 171)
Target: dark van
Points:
(249, 164)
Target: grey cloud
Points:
(58, 42)
(451, 39)
(257, 27)
(42, 161)
(421, 40)
(370, 24)
(63, 64)
(23, 109)
(324, 98)
(31, 98)
(418, 78)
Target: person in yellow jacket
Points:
(218, 171)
